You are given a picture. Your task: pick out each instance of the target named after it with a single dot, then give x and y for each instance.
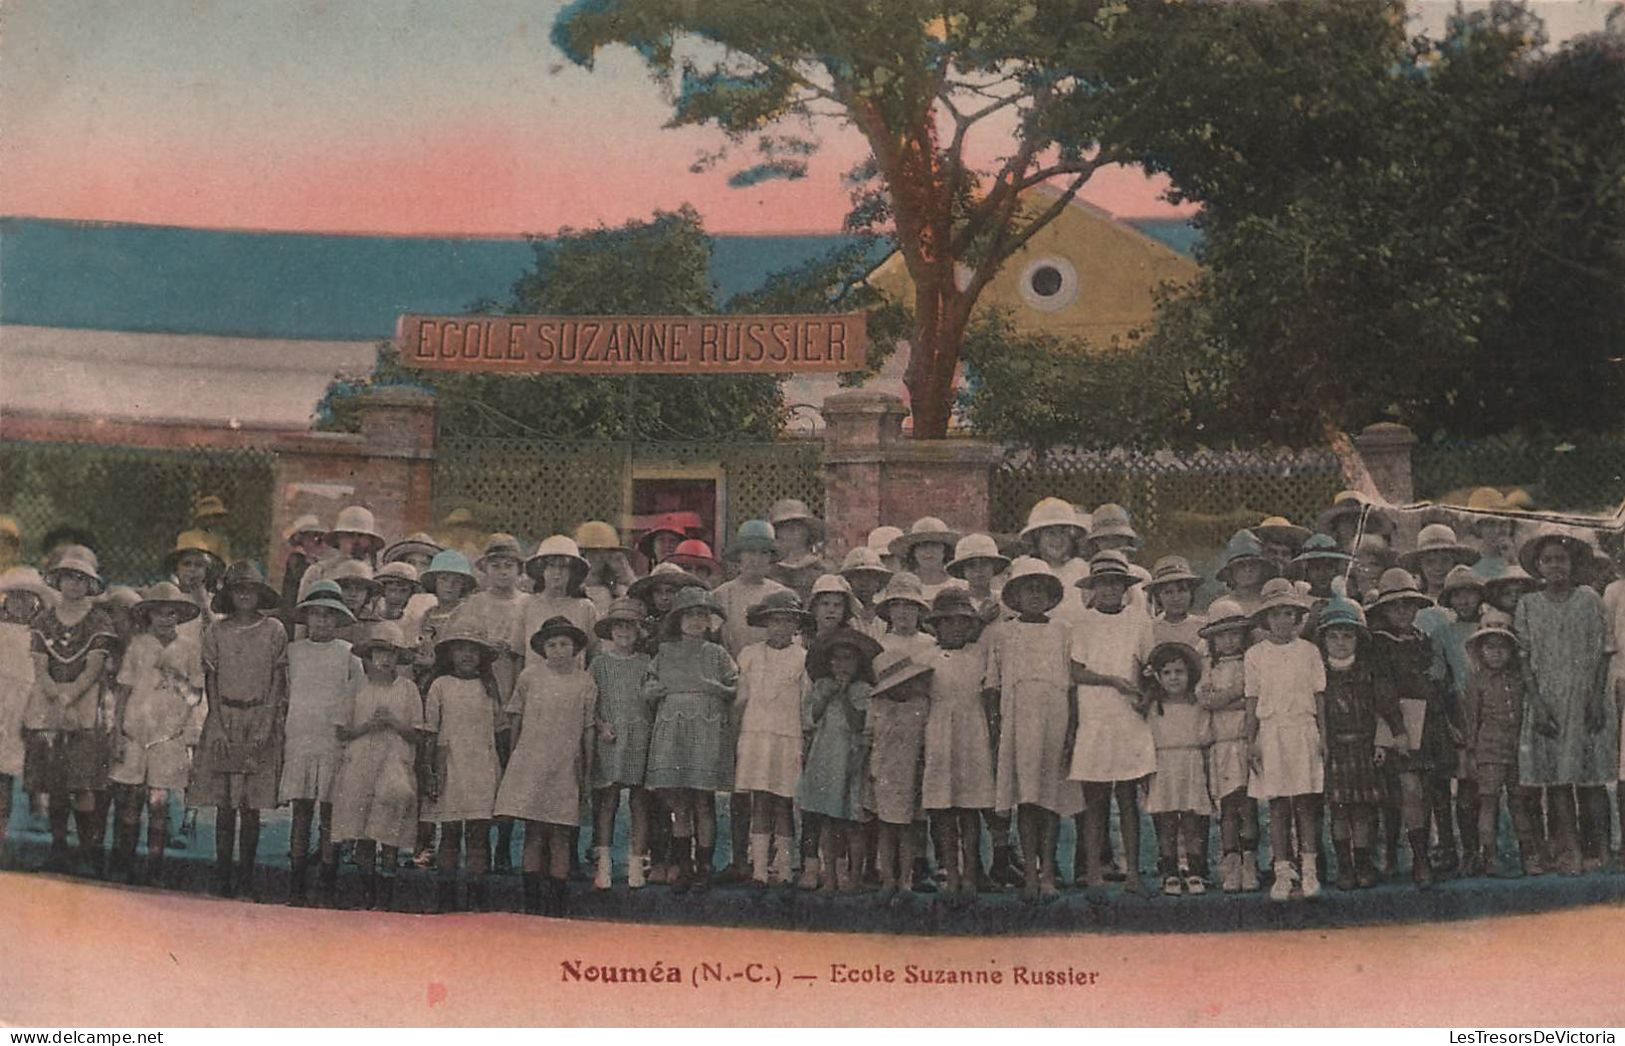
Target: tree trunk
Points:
(933, 356)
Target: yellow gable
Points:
(1085, 275)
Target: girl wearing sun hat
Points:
(980, 565)
(903, 606)
(1222, 692)
(797, 536)
(924, 552)
(1029, 679)
(956, 779)
(460, 717)
(1492, 711)
(1570, 744)
(840, 664)
(559, 570)
(23, 595)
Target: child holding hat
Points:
(236, 768)
(956, 782)
(1492, 710)
(621, 749)
(552, 710)
(773, 683)
(23, 595)
(899, 702)
(840, 664)
(159, 683)
(1029, 678)
(375, 796)
(1113, 751)
(1286, 686)
(1570, 742)
(323, 673)
(1221, 691)
(63, 731)
(460, 718)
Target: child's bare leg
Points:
(886, 857)
(970, 850)
(1306, 811)
(605, 801)
(945, 825)
(641, 804)
(741, 816)
(1193, 833)
(1049, 835)
(909, 837)
(478, 835)
(157, 833)
(558, 849)
(531, 857)
(857, 844)
(1031, 836)
(1097, 798)
(324, 833)
(1166, 827)
(705, 833)
(1563, 816)
(448, 855)
(827, 855)
(1128, 820)
(299, 830)
(225, 846)
(248, 847)
(1593, 823)
(1281, 830)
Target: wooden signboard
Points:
(634, 344)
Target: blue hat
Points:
(324, 594)
(1341, 610)
(753, 535)
(1243, 544)
(449, 561)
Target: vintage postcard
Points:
(523, 513)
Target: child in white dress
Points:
(22, 594)
(460, 716)
(1178, 799)
(1285, 685)
(1222, 692)
(773, 682)
(956, 786)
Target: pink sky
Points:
(349, 116)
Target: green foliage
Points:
(660, 266)
(1430, 231)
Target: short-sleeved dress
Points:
(462, 715)
(622, 762)
(546, 777)
(1187, 631)
(321, 679)
(1564, 642)
(238, 758)
(689, 746)
(1180, 731)
(65, 750)
(1223, 694)
(16, 682)
(897, 740)
(832, 721)
(166, 683)
(1355, 697)
(1029, 663)
(772, 685)
(375, 795)
(958, 770)
(1284, 679)
(538, 608)
(1114, 741)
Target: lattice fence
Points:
(1586, 475)
(532, 488)
(1187, 503)
(134, 500)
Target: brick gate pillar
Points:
(1385, 450)
(388, 466)
(873, 474)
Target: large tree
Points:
(918, 79)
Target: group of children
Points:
(866, 719)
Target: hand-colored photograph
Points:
(989, 513)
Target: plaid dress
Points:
(1351, 734)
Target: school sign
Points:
(634, 344)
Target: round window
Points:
(1049, 284)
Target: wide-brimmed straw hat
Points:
(818, 654)
(787, 510)
(327, 595)
(1398, 585)
(200, 542)
(1224, 615)
(785, 604)
(678, 524)
(1581, 555)
(1437, 537)
(356, 519)
(689, 599)
(753, 535)
(1170, 570)
(1458, 578)
(306, 524)
(953, 601)
(973, 547)
(663, 574)
(1485, 631)
(1111, 521)
(1354, 503)
(902, 588)
(864, 560)
(1282, 531)
(881, 537)
(695, 556)
(27, 579)
(500, 545)
(462, 631)
(1280, 592)
(353, 572)
(209, 506)
(1164, 652)
(1341, 610)
(893, 668)
(1318, 547)
(398, 571)
(560, 546)
(558, 625)
(244, 572)
(623, 609)
(414, 544)
(833, 584)
(1030, 570)
(1243, 546)
(1053, 512)
(381, 635)
(597, 536)
(925, 529)
(165, 595)
(1105, 564)
(1511, 575)
(449, 561)
(76, 559)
